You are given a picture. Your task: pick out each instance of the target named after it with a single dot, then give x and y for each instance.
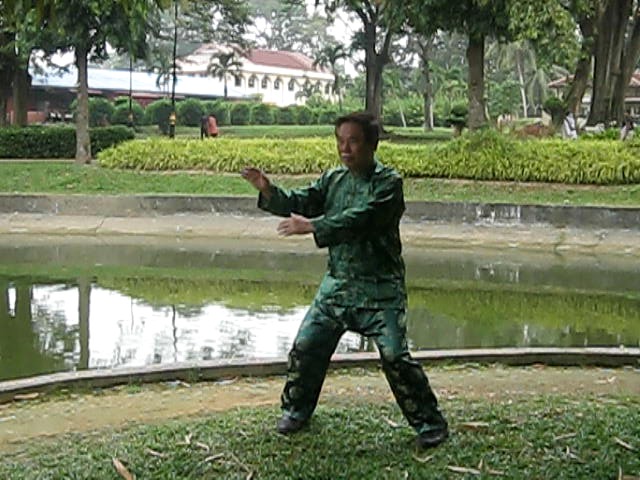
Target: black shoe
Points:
(432, 438)
(287, 425)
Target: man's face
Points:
(356, 154)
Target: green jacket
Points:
(358, 218)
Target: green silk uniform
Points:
(363, 290)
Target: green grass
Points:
(547, 437)
(65, 177)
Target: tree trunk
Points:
(83, 141)
(630, 58)
(475, 60)
(3, 111)
(21, 87)
(581, 75)
(427, 93)
(608, 59)
(523, 92)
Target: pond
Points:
(87, 303)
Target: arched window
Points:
(317, 87)
(276, 83)
(327, 88)
(264, 83)
(252, 81)
(292, 85)
(238, 80)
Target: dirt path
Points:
(126, 406)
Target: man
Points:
(354, 210)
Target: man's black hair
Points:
(367, 122)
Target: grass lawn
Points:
(65, 177)
(544, 437)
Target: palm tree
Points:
(328, 58)
(221, 64)
(521, 57)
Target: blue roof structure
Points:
(141, 82)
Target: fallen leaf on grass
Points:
(26, 396)
(608, 380)
(422, 460)
(623, 444)
(472, 471)
(213, 458)
(154, 453)
(473, 425)
(202, 446)
(121, 469)
(391, 423)
(573, 456)
(622, 476)
(564, 437)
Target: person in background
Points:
(627, 130)
(204, 126)
(569, 129)
(355, 211)
(212, 126)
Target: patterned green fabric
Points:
(363, 290)
(316, 341)
(358, 218)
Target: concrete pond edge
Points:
(210, 370)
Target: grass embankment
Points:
(65, 177)
(544, 437)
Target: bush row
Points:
(485, 155)
(56, 142)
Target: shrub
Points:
(157, 113)
(327, 116)
(481, 155)
(220, 109)
(100, 111)
(556, 108)
(102, 138)
(121, 113)
(56, 142)
(286, 116)
(241, 113)
(189, 112)
(262, 114)
(304, 115)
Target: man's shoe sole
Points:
(432, 440)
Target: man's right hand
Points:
(258, 179)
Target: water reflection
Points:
(138, 304)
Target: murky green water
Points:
(87, 304)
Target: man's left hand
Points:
(295, 225)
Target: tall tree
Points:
(475, 18)
(87, 28)
(617, 51)
(381, 21)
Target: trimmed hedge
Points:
(56, 142)
(485, 155)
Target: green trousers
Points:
(316, 341)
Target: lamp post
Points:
(172, 117)
(130, 116)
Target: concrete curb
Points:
(214, 370)
(558, 216)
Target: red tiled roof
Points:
(562, 81)
(274, 58)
